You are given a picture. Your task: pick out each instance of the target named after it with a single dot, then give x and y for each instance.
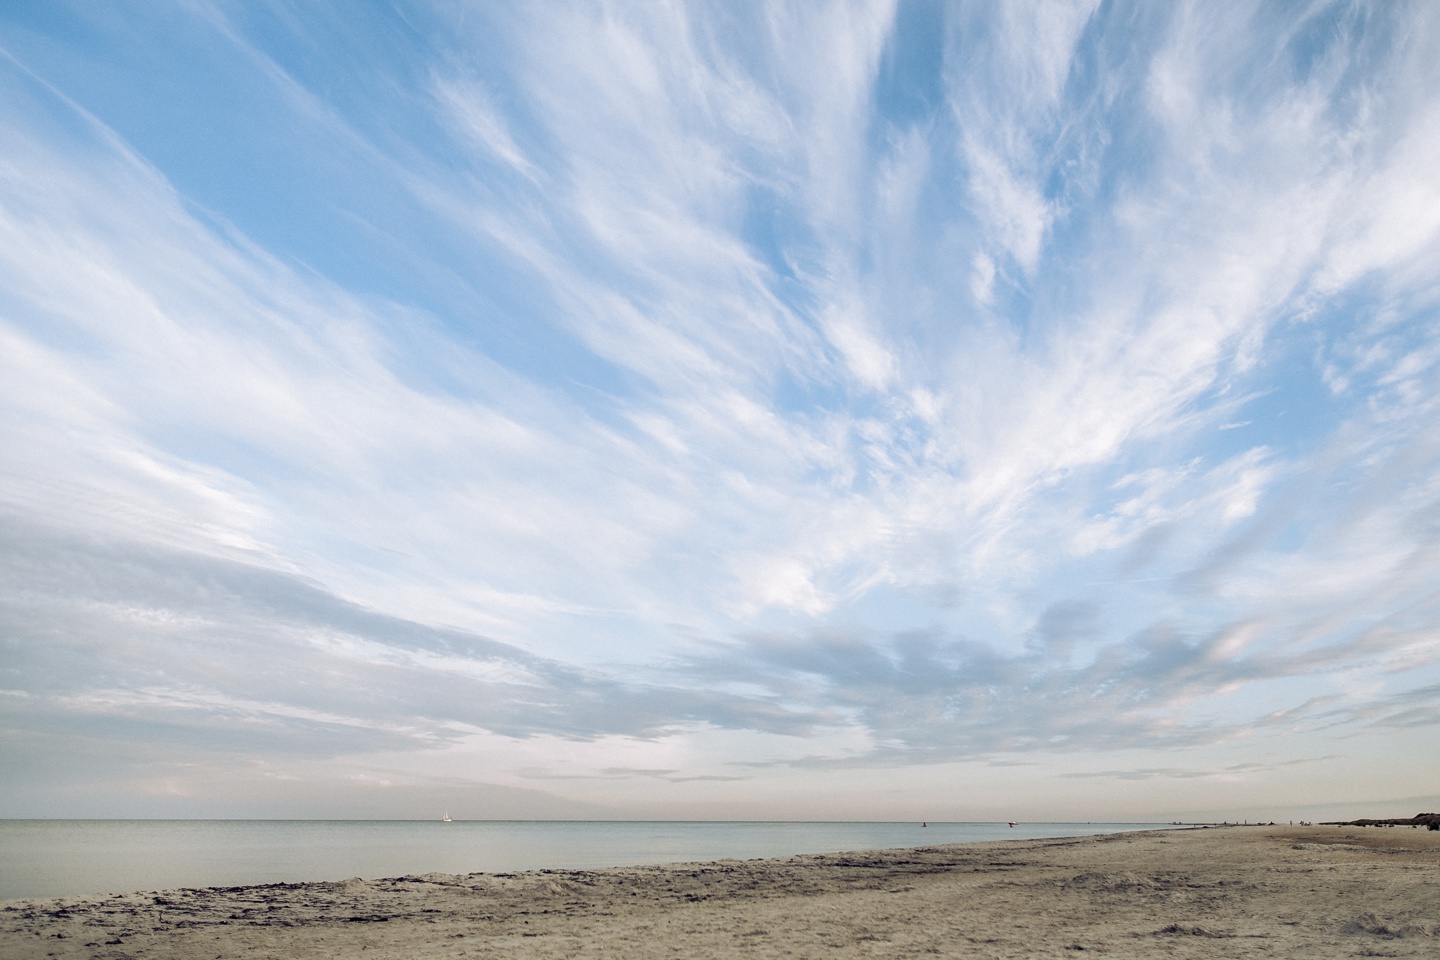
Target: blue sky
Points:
(919, 411)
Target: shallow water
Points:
(62, 858)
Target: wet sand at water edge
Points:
(1234, 892)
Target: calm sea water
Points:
(62, 858)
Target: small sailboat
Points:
(446, 818)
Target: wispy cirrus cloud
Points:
(885, 384)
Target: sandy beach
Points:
(1221, 892)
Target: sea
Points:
(72, 858)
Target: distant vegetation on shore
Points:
(1430, 821)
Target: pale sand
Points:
(1232, 892)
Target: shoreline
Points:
(80, 858)
(1266, 891)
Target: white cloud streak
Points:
(1138, 310)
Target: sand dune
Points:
(1232, 892)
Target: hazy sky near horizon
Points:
(918, 411)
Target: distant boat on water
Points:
(446, 818)
(1013, 823)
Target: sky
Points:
(918, 411)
